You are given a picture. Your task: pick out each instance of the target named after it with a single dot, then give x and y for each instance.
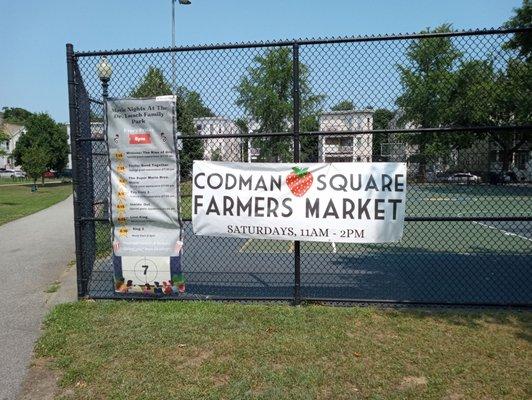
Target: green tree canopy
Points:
(16, 115)
(381, 119)
(44, 132)
(521, 41)
(189, 105)
(344, 105)
(427, 80)
(3, 138)
(35, 161)
(441, 88)
(430, 85)
(265, 93)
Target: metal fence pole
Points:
(295, 95)
(73, 111)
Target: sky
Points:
(33, 33)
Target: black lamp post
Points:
(105, 70)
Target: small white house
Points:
(14, 132)
(346, 148)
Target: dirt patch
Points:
(454, 396)
(220, 380)
(198, 358)
(40, 382)
(413, 382)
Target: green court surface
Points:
(444, 200)
(455, 237)
(462, 237)
(469, 200)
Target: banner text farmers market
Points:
(249, 196)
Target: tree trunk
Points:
(422, 168)
(422, 171)
(506, 159)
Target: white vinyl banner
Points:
(322, 202)
(143, 176)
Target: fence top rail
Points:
(306, 41)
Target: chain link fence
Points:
(454, 105)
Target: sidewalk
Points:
(35, 251)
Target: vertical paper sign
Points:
(144, 180)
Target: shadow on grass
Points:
(520, 320)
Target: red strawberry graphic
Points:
(299, 181)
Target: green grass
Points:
(53, 287)
(156, 350)
(24, 181)
(16, 181)
(17, 201)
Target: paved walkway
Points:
(34, 252)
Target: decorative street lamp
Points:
(105, 70)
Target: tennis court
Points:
(435, 262)
(471, 262)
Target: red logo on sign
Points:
(139, 138)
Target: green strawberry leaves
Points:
(300, 172)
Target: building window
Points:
(338, 159)
(339, 141)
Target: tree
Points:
(16, 115)
(309, 143)
(512, 106)
(521, 41)
(513, 100)
(35, 161)
(195, 105)
(427, 81)
(344, 105)
(188, 106)
(243, 128)
(3, 138)
(42, 131)
(381, 119)
(265, 92)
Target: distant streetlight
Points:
(185, 3)
(105, 70)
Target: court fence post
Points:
(296, 142)
(74, 134)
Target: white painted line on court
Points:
(502, 230)
(245, 245)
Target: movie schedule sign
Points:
(323, 202)
(143, 176)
